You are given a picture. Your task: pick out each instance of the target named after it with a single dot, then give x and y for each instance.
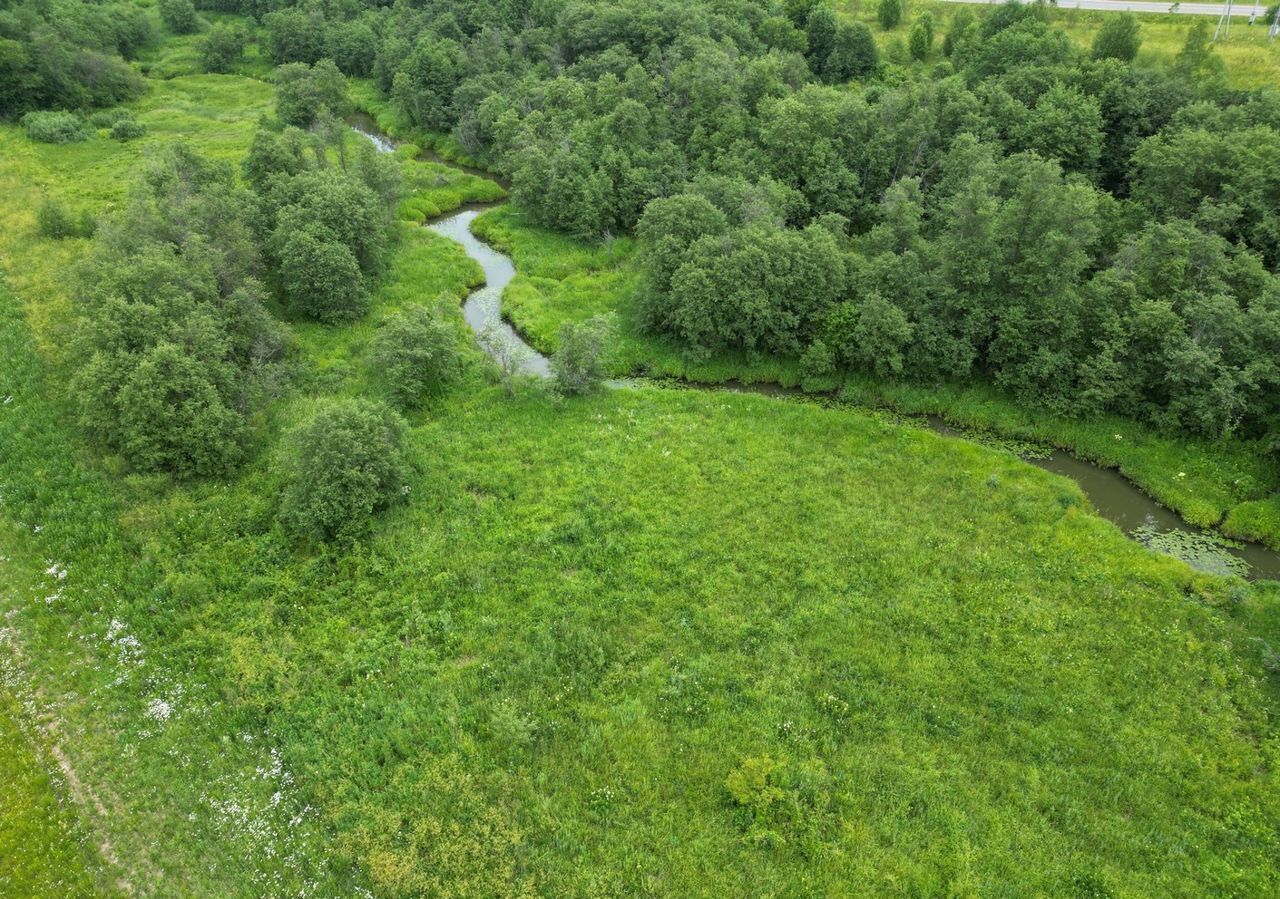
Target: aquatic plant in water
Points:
(1203, 552)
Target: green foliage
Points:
(1118, 38)
(125, 129)
(54, 127)
(222, 47)
(963, 26)
(67, 55)
(751, 785)
(179, 16)
(334, 205)
(820, 30)
(294, 34)
(1065, 125)
(56, 222)
(305, 93)
(872, 334)
(424, 83)
(173, 337)
(818, 361)
(426, 690)
(579, 363)
(344, 465)
(854, 54)
(920, 43)
(174, 410)
(721, 295)
(320, 275)
(416, 355)
(889, 13)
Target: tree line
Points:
(64, 54)
(1088, 234)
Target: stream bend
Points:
(1113, 496)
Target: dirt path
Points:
(88, 801)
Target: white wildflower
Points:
(159, 709)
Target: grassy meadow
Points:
(562, 280)
(42, 841)
(1250, 60)
(646, 642)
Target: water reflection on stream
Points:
(1112, 495)
(483, 308)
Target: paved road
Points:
(1186, 9)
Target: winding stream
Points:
(1112, 495)
(483, 308)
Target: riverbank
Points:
(393, 123)
(1229, 485)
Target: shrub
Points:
(1118, 38)
(920, 42)
(818, 361)
(54, 127)
(175, 414)
(345, 465)
(57, 222)
(175, 342)
(303, 92)
(417, 355)
(221, 48)
(320, 276)
(508, 354)
(889, 13)
(179, 16)
(752, 784)
(961, 22)
(105, 118)
(579, 361)
(127, 129)
(854, 55)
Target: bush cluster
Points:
(416, 354)
(65, 55)
(324, 228)
(55, 221)
(55, 127)
(343, 466)
(175, 339)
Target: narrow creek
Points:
(1113, 496)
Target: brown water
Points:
(1113, 496)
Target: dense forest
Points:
(1089, 236)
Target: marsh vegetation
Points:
(303, 592)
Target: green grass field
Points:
(564, 280)
(542, 673)
(647, 642)
(1250, 60)
(43, 847)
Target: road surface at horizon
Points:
(1238, 10)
